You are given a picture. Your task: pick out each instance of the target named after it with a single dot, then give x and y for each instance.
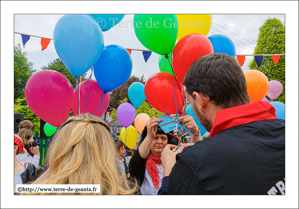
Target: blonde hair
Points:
(83, 152)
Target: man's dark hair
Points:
(219, 77)
(171, 139)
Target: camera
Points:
(33, 143)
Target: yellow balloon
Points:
(131, 137)
(188, 24)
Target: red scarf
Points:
(152, 169)
(242, 114)
(19, 143)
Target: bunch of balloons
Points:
(79, 43)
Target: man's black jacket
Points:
(248, 159)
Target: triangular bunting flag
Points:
(241, 60)
(258, 60)
(275, 59)
(146, 55)
(25, 38)
(129, 50)
(45, 42)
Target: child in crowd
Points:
(121, 154)
(27, 124)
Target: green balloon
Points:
(157, 32)
(164, 64)
(49, 129)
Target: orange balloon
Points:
(257, 85)
(140, 121)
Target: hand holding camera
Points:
(34, 147)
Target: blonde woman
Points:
(83, 152)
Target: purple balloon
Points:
(125, 114)
(265, 100)
(275, 89)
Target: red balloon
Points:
(187, 50)
(160, 94)
(94, 99)
(49, 94)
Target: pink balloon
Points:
(275, 89)
(49, 94)
(94, 98)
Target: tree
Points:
(23, 69)
(122, 92)
(21, 106)
(58, 66)
(272, 41)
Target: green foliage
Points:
(23, 69)
(272, 41)
(145, 107)
(21, 106)
(58, 65)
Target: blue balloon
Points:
(107, 21)
(78, 42)
(279, 109)
(222, 44)
(190, 112)
(136, 94)
(113, 68)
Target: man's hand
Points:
(189, 122)
(168, 157)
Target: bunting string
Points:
(145, 50)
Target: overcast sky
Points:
(243, 30)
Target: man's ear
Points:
(201, 99)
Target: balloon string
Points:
(79, 93)
(178, 126)
(100, 103)
(163, 64)
(77, 80)
(175, 77)
(126, 149)
(88, 81)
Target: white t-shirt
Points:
(18, 179)
(147, 187)
(122, 165)
(26, 158)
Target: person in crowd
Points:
(83, 152)
(24, 124)
(23, 172)
(106, 116)
(32, 155)
(120, 155)
(245, 151)
(145, 165)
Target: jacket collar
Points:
(242, 114)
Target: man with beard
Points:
(245, 151)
